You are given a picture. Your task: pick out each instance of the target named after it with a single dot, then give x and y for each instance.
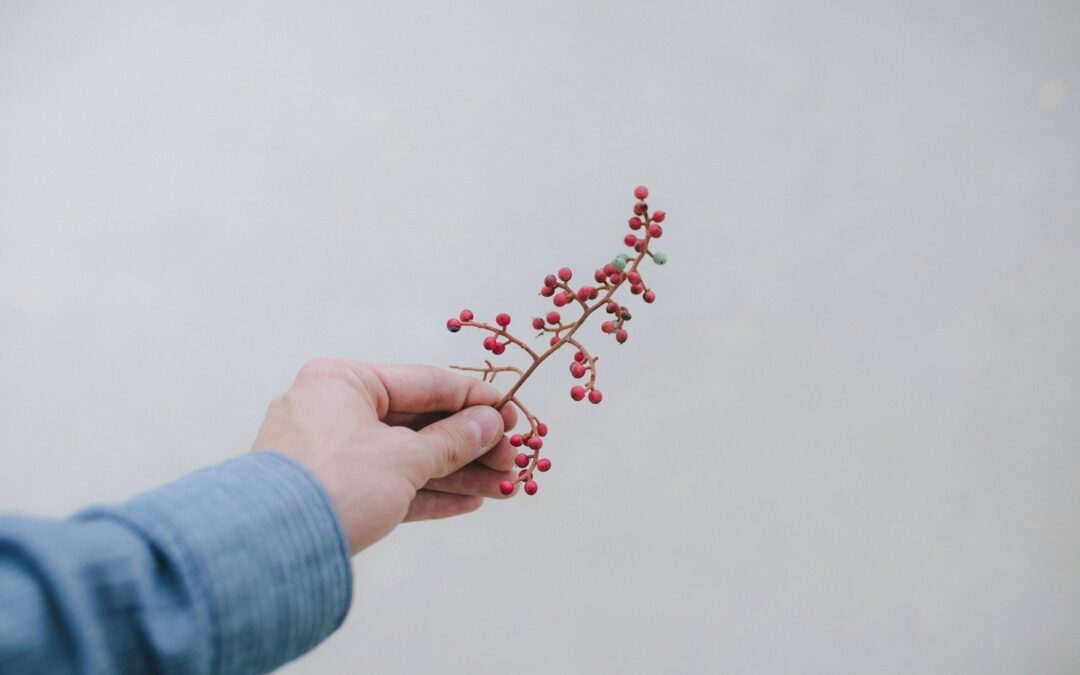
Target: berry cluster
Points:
(589, 298)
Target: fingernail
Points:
(486, 422)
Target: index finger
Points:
(404, 390)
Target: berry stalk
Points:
(609, 279)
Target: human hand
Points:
(392, 443)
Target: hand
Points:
(392, 443)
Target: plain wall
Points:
(843, 440)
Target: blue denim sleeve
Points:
(237, 568)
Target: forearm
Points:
(236, 568)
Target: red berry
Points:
(506, 487)
(516, 440)
(577, 393)
(561, 299)
(641, 192)
(538, 323)
(622, 336)
(659, 216)
(637, 289)
(523, 473)
(498, 348)
(530, 487)
(639, 246)
(503, 319)
(565, 274)
(466, 315)
(577, 370)
(592, 292)
(522, 460)
(634, 277)
(612, 307)
(535, 442)
(635, 223)
(583, 293)
(579, 357)
(550, 281)
(649, 296)
(553, 318)
(616, 278)
(541, 428)
(599, 276)
(489, 342)
(608, 326)
(595, 396)
(629, 240)
(554, 340)
(543, 465)
(547, 291)
(640, 207)
(655, 231)
(453, 325)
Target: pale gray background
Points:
(845, 438)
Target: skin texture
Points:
(392, 443)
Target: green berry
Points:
(619, 264)
(659, 258)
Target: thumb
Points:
(453, 442)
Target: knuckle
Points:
(432, 394)
(368, 379)
(451, 443)
(453, 482)
(399, 436)
(400, 448)
(319, 368)
(275, 403)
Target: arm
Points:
(236, 568)
(245, 565)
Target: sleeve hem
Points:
(260, 547)
(339, 528)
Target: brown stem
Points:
(564, 285)
(490, 371)
(553, 329)
(499, 330)
(528, 415)
(588, 357)
(538, 359)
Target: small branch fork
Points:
(490, 372)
